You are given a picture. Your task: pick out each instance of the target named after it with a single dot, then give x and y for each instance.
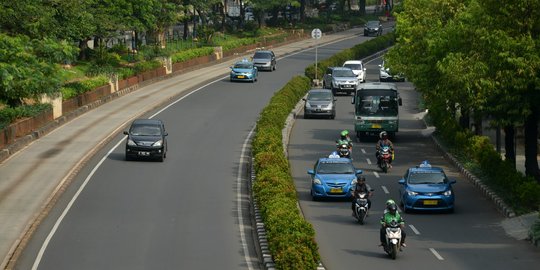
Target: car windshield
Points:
(261, 55)
(378, 105)
(335, 168)
(427, 178)
(243, 66)
(319, 96)
(343, 73)
(145, 130)
(353, 66)
(373, 24)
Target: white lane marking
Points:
(363, 151)
(239, 194)
(70, 204)
(376, 174)
(436, 254)
(385, 190)
(414, 229)
(368, 161)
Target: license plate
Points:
(241, 76)
(430, 202)
(376, 126)
(336, 190)
(144, 153)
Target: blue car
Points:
(425, 187)
(333, 177)
(244, 71)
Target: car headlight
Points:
(353, 182)
(158, 143)
(412, 193)
(317, 181)
(392, 122)
(308, 104)
(130, 142)
(447, 193)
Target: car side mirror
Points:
(335, 99)
(126, 133)
(304, 99)
(352, 101)
(452, 181)
(255, 68)
(165, 134)
(311, 172)
(400, 102)
(401, 182)
(359, 171)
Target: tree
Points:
(28, 69)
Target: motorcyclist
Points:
(384, 141)
(392, 215)
(345, 139)
(360, 187)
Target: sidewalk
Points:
(35, 177)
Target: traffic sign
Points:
(316, 33)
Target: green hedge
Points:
(73, 89)
(291, 239)
(8, 115)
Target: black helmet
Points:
(361, 178)
(392, 208)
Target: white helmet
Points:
(383, 134)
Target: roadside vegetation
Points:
(45, 47)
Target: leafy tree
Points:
(28, 69)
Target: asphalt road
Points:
(189, 212)
(470, 238)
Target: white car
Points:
(358, 69)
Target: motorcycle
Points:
(385, 157)
(343, 150)
(393, 239)
(361, 207)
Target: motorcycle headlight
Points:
(158, 143)
(130, 142)
(412, 193)
(317, 181)
(447, 193)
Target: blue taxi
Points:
(333, 177)
(425, 187)
(244, 71)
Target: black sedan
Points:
(147, 138)
(373, 28)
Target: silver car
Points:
(320, 103)
(264, 60)
(340, 79)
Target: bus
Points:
(376, 109)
